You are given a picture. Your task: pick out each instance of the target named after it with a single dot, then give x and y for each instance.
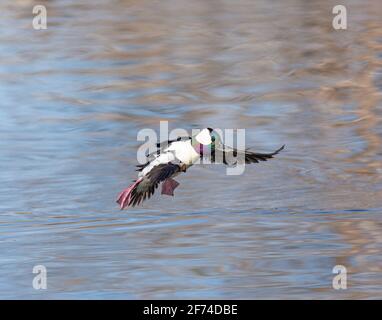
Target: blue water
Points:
(73, 98)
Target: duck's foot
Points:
(168, 186)
(125, 196)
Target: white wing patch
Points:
(182, 151)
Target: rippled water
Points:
(74, 96)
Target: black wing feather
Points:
(146, 188)
(254, 157)
(249, 156)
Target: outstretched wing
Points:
(229, 153)
(148, 184)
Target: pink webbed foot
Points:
(125, 196)
(168, 186)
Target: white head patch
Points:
(204, 137)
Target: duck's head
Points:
(207, 136)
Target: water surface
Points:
(74, 96)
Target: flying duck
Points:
(176, 156)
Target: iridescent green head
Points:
(206, 139)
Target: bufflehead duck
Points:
(176, 156)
